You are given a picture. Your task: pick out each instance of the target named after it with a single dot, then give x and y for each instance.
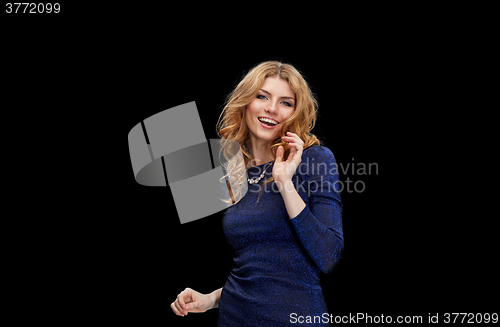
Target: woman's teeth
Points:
(268, 121)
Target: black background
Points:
(93, 245)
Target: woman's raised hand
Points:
(284, 170)
(191, 301)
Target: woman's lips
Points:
(266, 126)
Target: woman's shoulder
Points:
(319, 153)
(317, 161)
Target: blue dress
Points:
(275, 278)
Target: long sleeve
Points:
(319, 224)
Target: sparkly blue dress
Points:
(275, 276)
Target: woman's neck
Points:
(260, 153)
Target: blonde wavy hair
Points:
(232, 125)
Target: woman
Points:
(283, 233)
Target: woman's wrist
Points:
(215, 297)
(293, 202)
(285, 185)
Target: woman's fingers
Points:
(180, 308)
(279, 153)
(180, 300)
(293, 135)
(293, 138)
(175, 309)
(296, 148)
(295, 155)
(179, 305)
(293, 150)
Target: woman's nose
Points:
(272, 108)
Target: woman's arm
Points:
(293, 202)
(319, 222)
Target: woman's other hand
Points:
(191, 301)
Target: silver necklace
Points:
(256, 180)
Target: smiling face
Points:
(274, 103)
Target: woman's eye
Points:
(262, 97)
(286, 103)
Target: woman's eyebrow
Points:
(280, 97)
